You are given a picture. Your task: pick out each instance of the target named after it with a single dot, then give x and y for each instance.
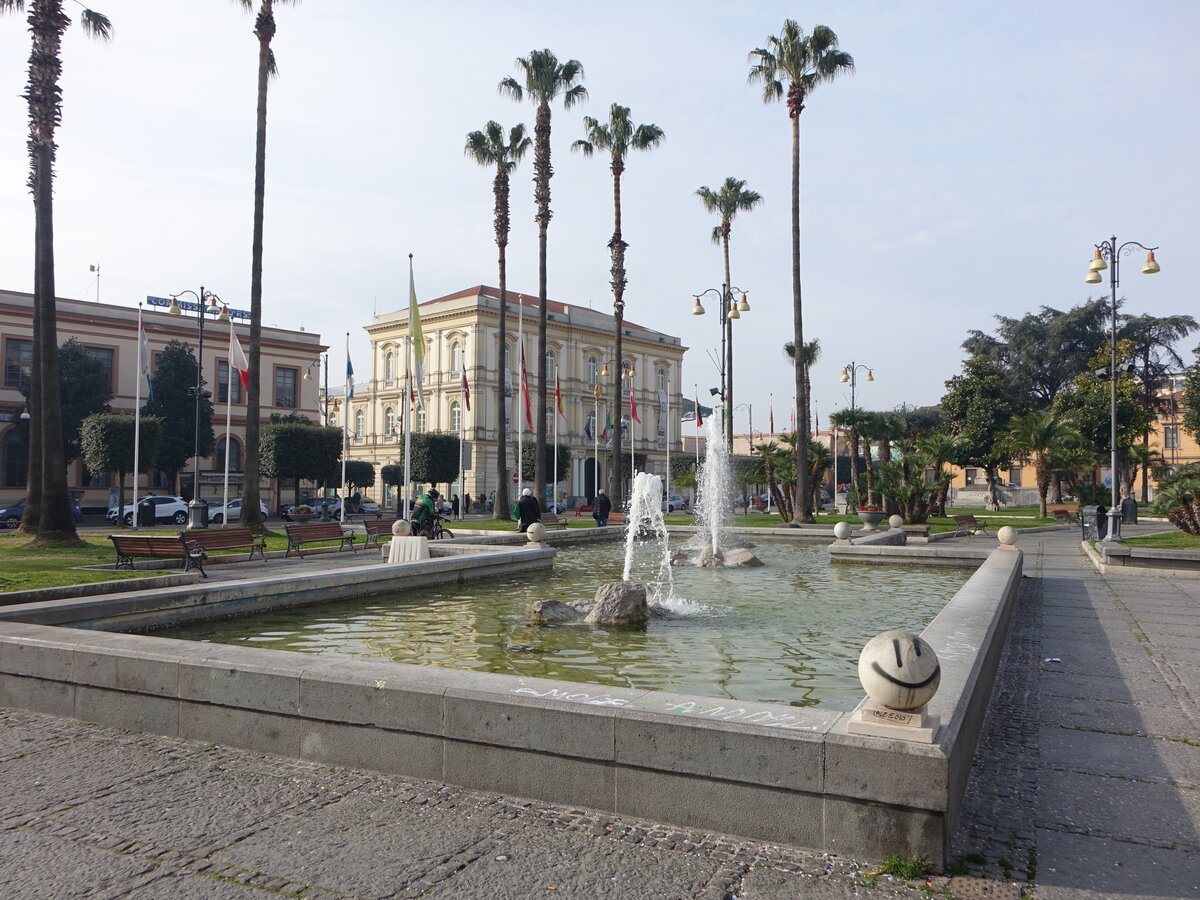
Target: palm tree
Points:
(812, 352)
(851, 420)
(264, 30)
(803, 61)
(47, 503)
(488, 148)
(618, 136)
(545, 79)
(727, 202)
(1040, 436)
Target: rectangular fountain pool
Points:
(787, 632)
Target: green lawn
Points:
(1171, 540)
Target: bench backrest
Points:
(314, 531)
(222, 539)
(549, 518)
(379, 526)
(964, 520)
(146, 545)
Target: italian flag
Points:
(237, 359)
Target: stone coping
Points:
(769, 771)
(1122, 559)
(95, 588)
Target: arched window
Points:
(593, 371)
(389, 422)
(548, 374)
(421, 419)
(455, 417)
(360, 418)
(662, 379)
(389, 366)
(235, 455)
(456, 357)
(15, 469)
(333, 420)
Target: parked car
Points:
(232, 511)
(166, 509)
(676, 502)
(334, 504)
(10, 516)
(370, 508)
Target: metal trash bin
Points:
(145, 514)
(1129, 511)
(1094, 523)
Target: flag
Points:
(144, 359)
(415, 335)
(466, 390)
(525, 391)
(349, 373)
(771, 419)
(587, 428)
(699, 417)
(558, 397)
(607, 425)
(412, 394)
(237, 359)
(596, 389)
(633, 406)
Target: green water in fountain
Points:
(789, 632)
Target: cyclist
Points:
(424, 514)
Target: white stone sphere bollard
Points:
(1007, 536)
(401, 528)
(842, 530)
(896, 521)
(899, 670)
(536, 533)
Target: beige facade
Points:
(109, 332)
(462, 330)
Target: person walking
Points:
(454, 505)
(528, 510)
(466, 504)
(601, 508)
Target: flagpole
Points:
(462, 419)
(519, 394)
(228, 428)
(345, 496)
(771, 423)
(632, 473)
(596, 438)
(408, 410)
(137, 424)
(699, 422)
(667, 480)
(557, 413)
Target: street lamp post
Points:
(197, 510)
(850, 374)
(308, 377)
(1108, 256)
(728, 312)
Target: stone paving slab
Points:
(1118, 717)
(31, 867)
(1121, 756)
(1078, 867)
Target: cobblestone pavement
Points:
(1086, 783)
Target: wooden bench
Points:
(376, 529)
(130, 546)
(967, 525)
(1064, 515)
(314, 532)
(583, 509)
(551, 520)
(198, 543)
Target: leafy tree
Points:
(1191, 398)
(1041, 353)
(804, 61)
(529, 462)
(726, 202)
(434, 458)
(1044, 438)
(106, 443)
(1088, 403)
(545, 79)
(1178, 498)
(174, 402)
(85, 391)
(264, 32)
(302, 452)
(618, 136)
(488, 148)
(359, 474)
(47, 503)
(683, 471)
(295, 417)
(977, 406)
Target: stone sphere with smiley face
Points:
(899, 670)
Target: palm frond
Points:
(11, 5)
(511, 87)
(96, 24)
(584, 147)
(575, 95)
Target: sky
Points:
(965, 169)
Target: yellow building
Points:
(461, 330)
(109, 333)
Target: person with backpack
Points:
(601, 508)
(527, 510)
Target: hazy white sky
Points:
(965, 169)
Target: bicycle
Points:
(435, 530)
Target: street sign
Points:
(514, 477)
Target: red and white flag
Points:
(699, 418)
(633, 406)
(558, 397)
(466, 391)
(237, 359)
(525, 391)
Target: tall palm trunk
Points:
(726, 295)
(55, 525)
(617, 248)
(502, 509)
(264, 29)
(1042, 473)
(854, 448)
(543, 172)
(803, 513)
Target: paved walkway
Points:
(1085, 786)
